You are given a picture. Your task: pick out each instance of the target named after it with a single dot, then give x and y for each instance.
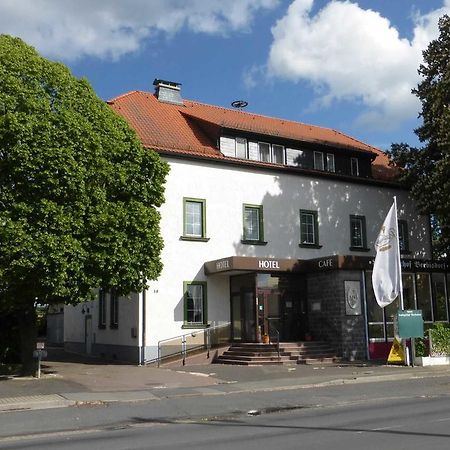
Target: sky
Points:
(348, 65)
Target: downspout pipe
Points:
(143, 328)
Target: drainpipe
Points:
(366, 325)
(142, 358)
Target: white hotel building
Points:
(265, 221)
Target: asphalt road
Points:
(384, 415)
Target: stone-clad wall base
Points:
(106, 351)
(328, 320)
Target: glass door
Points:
(243, 308)
(269, 318)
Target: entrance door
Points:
(243, 316)
(294, 316)
(88, 334)
(261, 303)
(269, 317)
(243, 308)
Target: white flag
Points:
(386, 276)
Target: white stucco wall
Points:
(129, 317)
(282, 195)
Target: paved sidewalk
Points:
(69, 380)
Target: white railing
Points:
(205, 338)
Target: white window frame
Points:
(330, 163)
(320, 154)
(269, 150)
(241, 141)
(283, 154)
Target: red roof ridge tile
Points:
(126, 94)
(376, 149)
(254, 115)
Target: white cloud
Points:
(70, 29)
(350, 53)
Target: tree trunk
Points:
(28, 333)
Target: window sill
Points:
(193, 238)
(359, 249)
(114, 327)
(194, 326)
(102, 327)
(250, 242)
(310, 245)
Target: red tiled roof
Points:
(193, 128)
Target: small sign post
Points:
(410, 326)
(39, 353)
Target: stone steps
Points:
(310, 352)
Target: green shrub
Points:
(440, 339)
(421, 347)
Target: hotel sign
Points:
(268, 264)
(251, 264)
(223, 264)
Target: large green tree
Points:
(427, 169)
(78, 192)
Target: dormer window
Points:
(354, 166)
(330, 163)
(241, 148)
(318, 161)
(278, 154)
(307, 158)
(264, 151)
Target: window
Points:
(318, 160)
(194, 219)
(439, 299)
(101, 308)
(358, 239)
(403, 236)
(375, 316)
(354, 166)
(241, 148)
(278, 154)
(195, 313)
(309, 232)
(114, 309)
(423, 291)
(253, 224)
(234, 147)
(264, 151)
(409, 301)
(330, 163)
(294, 157)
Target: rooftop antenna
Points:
(239, 104)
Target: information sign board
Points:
(410, 323)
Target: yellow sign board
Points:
(396, 355)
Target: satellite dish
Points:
(239, 104)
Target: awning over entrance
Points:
(334, 262)
(252, 264)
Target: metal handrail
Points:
(183, 337)
(277, 333)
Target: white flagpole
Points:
(398, 254)
(409, 357)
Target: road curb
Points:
(33, 402)
(29, 402)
